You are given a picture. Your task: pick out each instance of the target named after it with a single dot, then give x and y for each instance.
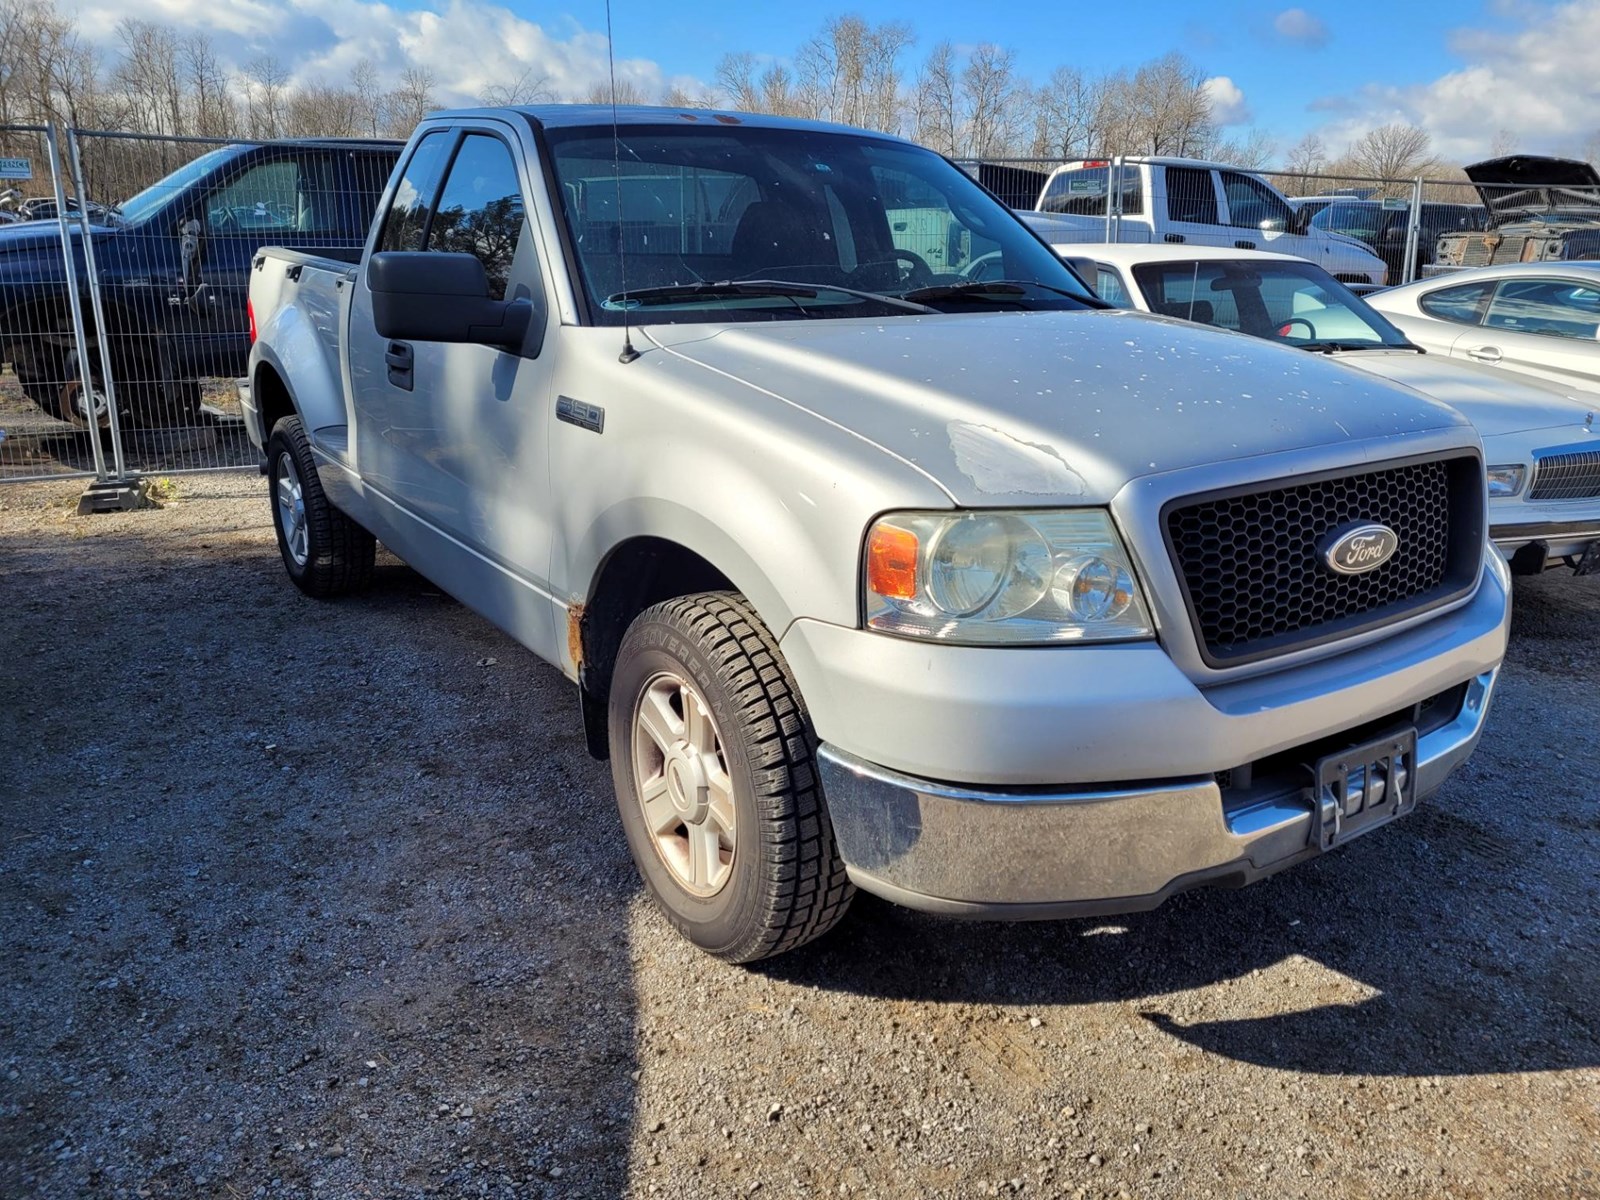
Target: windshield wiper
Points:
(776, 288)
(1333, 347)
(987, 289)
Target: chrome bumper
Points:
(1034, 853)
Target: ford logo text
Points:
(1356, 549)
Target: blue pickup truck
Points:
(174, 264)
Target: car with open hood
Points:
(1541, 210)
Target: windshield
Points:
(1292, 302)
(1362, 221)
(137, 207)
(687, 206)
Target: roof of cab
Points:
(601, 116)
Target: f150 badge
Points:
(1357, 549)
(576, 412)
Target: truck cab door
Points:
(1260, 219)
(1190, 196)
(454, 438)
(282, 198)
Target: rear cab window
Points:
(1082, 191)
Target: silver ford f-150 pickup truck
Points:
(872, 570)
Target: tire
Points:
(325, 552)
(778, 883)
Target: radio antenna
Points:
(628, 352)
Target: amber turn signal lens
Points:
(892, 562)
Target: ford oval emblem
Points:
(1356, 549)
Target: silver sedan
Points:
(1536, 318)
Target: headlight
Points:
(1016, 577)
(1506, 481)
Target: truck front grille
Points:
(1255, 578)
(1566, 475)
(1488, 249)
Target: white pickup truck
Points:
(1187, 201)
(972, 593)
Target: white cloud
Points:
(468, 45)
(1538, 85)
(1228, 105)
(1297, 25)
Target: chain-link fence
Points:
(124, 297)
(51, 425)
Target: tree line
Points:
(963, 101)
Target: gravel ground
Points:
(326, 900)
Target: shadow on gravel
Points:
(299, 898)
(1474, 920)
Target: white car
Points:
(1187, 201)
(1535, 318)
(1540, 440)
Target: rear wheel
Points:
(325, 552)
(713, 761)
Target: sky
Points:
(1468, 71)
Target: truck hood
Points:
(1033, 408)
(1526, 183)
(1494, 400)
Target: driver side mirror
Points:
(426, 296)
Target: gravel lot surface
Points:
(308, 899)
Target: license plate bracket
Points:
(1363, 787)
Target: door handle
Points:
(1244, 244)
(1175, 238)
(402, 365)
(1485, 354)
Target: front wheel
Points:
(713, 759)
(325, 552)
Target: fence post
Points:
(1408, 266)
(75, 302)
(1114, 200)
(92, 269)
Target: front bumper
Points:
(1533, 545)
(1026, 853)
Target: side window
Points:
(480, 209)
(1191, 196)
(1462, 304)
(1251, 202)
(286, 196)
(1547, 306)
(1110, 287)
(413, 198)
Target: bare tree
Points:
(626, 92)
(736, 79)
(935, 113)
(212, 110)
(990, 92)
(1066, 112)
(1393, 152)
(364, 82)
(407, 104)
(264, 98)
(850, 72)
(531, 87)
